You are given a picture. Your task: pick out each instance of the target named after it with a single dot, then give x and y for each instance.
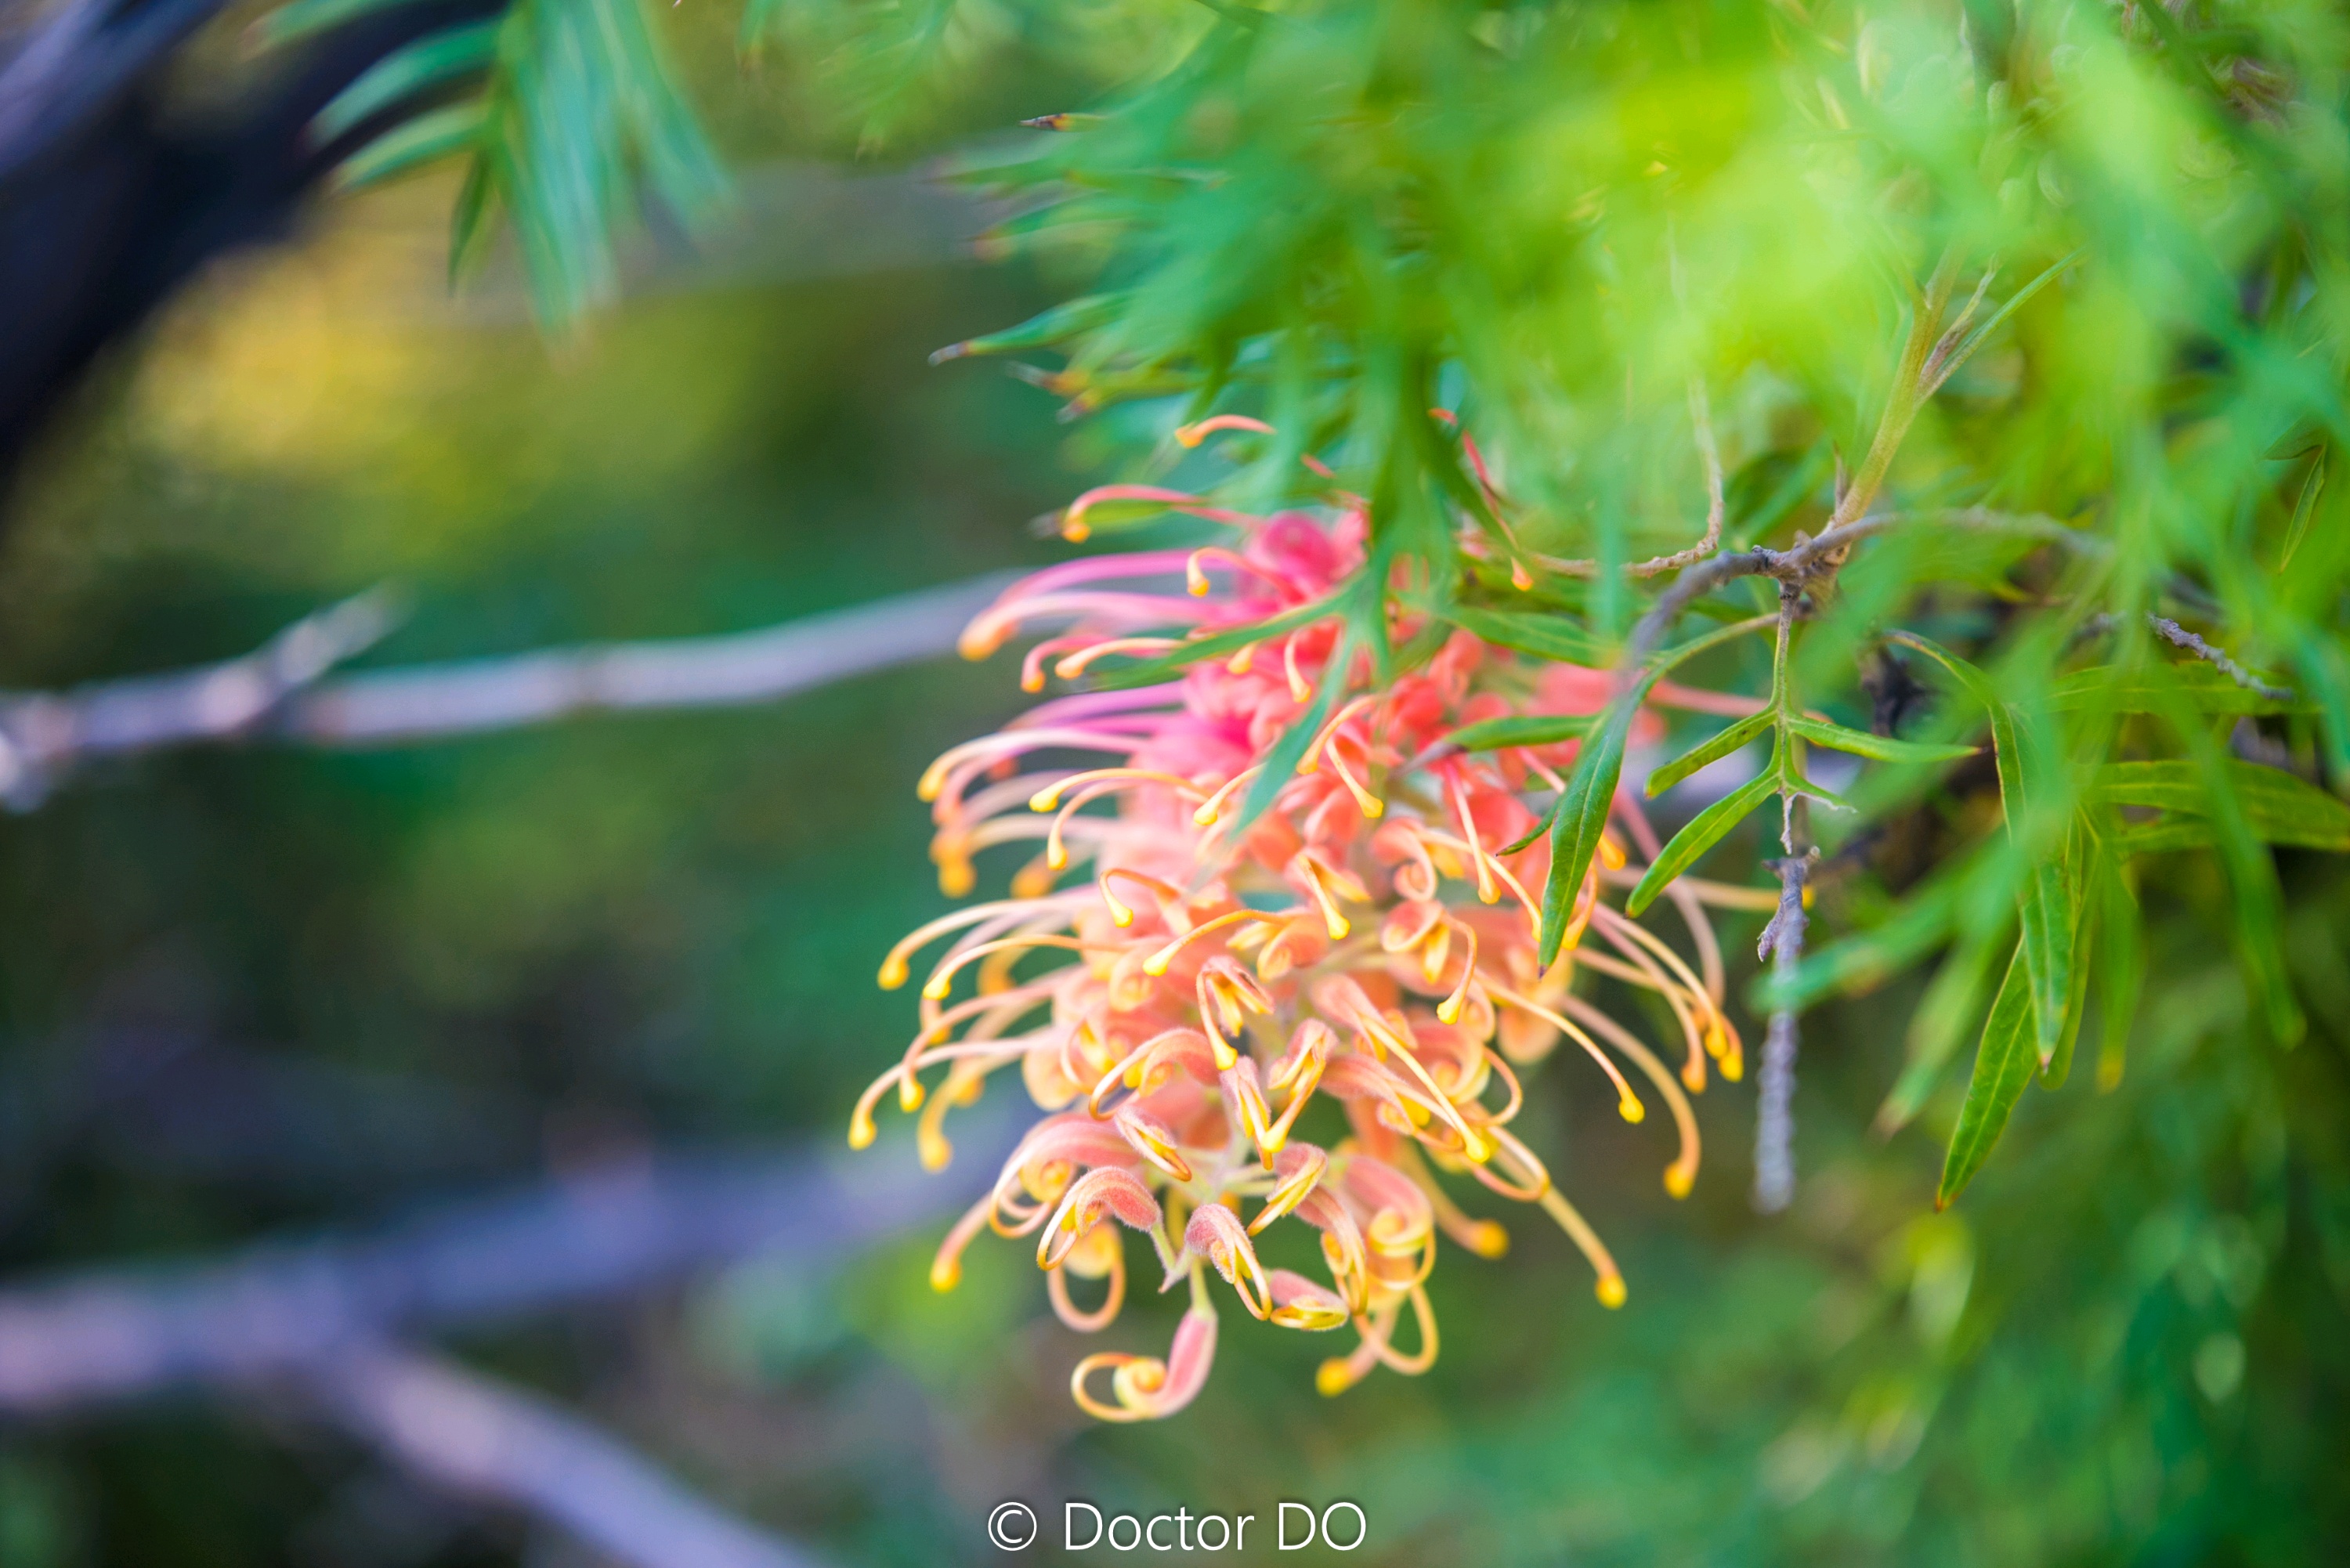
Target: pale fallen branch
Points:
(118, 1334)
(277, 692)
(496, 1444)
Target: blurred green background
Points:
(252, 991)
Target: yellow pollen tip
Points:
(1487, 1238)
(1205, 816)
(862, 1132)
(1337, 926)
(910, 1093)
(1679, 1180)
(1045, 799)
(1733, 1068)
(1057, 859)
(1076, 531)
(1610, 1291)
(1225, 1057)
(1447, 1011)
(945, 1276)
(1333, 1378)
(1157, 964)
(1631, 1109)
(937, 987)
(1611, 854)
(1520, 578)
(894, 974)
(1478, 1147)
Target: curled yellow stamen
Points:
(1072, 665)
(1206, 815)
(1627, 1104)
(1610, 1288)
(1300, 691)
(942, 978)
(1159, 963)
(1120, 915)
(1681, 1174)
(1449, 1010)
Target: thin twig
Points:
(1716, 508)
(2178, 636)
(1782, 946)
(486, 1440)
(109, 1334)
(42, 736)
(278, 694)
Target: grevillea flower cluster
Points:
(1366, 938)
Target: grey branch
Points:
(278, 692)
(120, 1333)
(321, 1313)
(2178, 636)
(483, 1439)
(1775, 1123)
(42, 736)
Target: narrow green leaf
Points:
(2166, 837)
(427, 139)
(1167, 666)
(2059, 1066)
(1713, 749)
(1543, 635)
(1952, 1002)
(2139, 689)
(1521, 730)
(2122, 942)
(402, 74)
(2303, 510)
(1696, 836)
(1070, 319)
(1582, 816)
(1975, 340)
(2258, 926)
(305, 18)
(2003, 1064)
(1877, 748)
(2278, 806)
(2046, 901)
(1281, 763)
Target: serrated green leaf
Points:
(1877, 748)
(2278, 806)
(1543, 635)
(1521, 730)
(2004, 1063)
(1710, 750)
(1696, 836)
(406, 72)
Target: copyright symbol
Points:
(1011, 1526)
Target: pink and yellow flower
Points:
(1368, 938)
